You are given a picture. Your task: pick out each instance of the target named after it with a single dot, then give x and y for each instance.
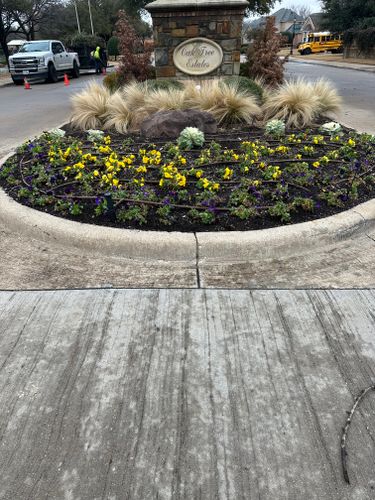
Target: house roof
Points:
(317, 19)
(286, 15)
(281, 16)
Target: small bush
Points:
(135, 61)
(164, 85)
(246, 85)
(366, 39)
(83, 39)
(263, 57)
(113, 47)
(112, 81)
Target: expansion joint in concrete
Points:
(197, 260)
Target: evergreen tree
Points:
(341, 15)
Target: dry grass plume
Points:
(293, 102)
(118, 115)
(329, 100)
(90, 107)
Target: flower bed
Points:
(239, 179)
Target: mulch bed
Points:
(253, 194)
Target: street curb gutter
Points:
(215, 247)
(353, 66)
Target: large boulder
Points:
(169, 124)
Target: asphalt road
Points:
(26, 113)
(356, 87)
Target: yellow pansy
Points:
(228, 172)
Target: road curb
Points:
(356, 67)
(225, 246)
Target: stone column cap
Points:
(193, 4)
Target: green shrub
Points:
(244, 69)
(246, 85)
(84, 39)
(113, 46)
(112, 81)
(163, 85)
(366, 39)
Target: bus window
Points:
(316, 39)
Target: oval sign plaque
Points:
(197, 56)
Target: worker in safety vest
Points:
(97, 56)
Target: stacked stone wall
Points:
(223, 26)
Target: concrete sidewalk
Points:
(343, 65)
(192, 394)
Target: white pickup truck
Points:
(43, 59)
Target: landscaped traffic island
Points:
(241, 178)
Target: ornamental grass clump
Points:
(90, 107)
(225, 101)
(163, 100)
(328, 98)
(300, 102)
(118, 114)
(190, 137)
(294, 102)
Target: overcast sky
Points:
(313, 5)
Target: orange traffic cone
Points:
(66, 80)
(27, 84)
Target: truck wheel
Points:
(306, 52)
(75, 71)
(16, 81)
(52, 74)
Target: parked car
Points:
(43, 59)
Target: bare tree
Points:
(29, 15)
(302, 10)
(8, 26)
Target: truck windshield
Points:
(35, 47)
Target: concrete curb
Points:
(286, 241)
(210, 247)
(356, 67)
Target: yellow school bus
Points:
(321, 42)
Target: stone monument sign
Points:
(197, 38)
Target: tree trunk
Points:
(3, 42)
